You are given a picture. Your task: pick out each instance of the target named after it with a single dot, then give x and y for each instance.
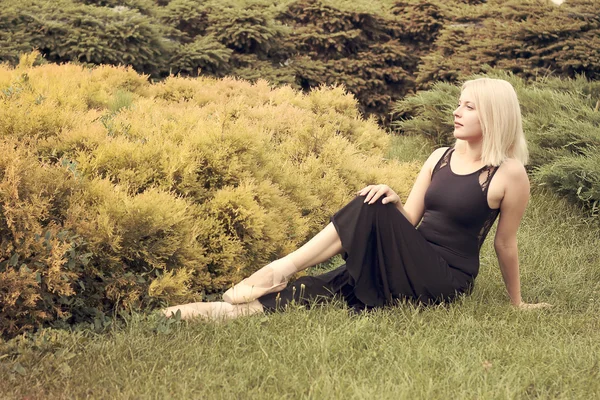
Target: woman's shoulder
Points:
(512, 177)
(437, 154)
(435, 157)
(513, 168)
(440, 150)
(510, 180)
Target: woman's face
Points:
(466, 119)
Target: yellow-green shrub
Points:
(40, 258)
(119, 193)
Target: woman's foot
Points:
(271, 278)
(214, 310)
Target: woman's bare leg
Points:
(274, 276)
(321, 247)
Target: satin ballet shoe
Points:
(188, 311)
(213, 310)
(244, 292)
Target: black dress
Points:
(388, 259)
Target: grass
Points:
(476, 348)
(409, 148)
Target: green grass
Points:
(477, 348)
(409, 148)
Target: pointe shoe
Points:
(213, 310)
(245, 293)
(187, 311)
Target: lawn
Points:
(477, 348)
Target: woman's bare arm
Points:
(415, 204)
(512, 208)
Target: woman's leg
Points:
(320, 248)
(274, 276)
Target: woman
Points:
(456, 198)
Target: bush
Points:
(65, 31)
(527, 38)
(188, 17)
(360, 50)
(40, 259)
(380, 51)
(560, 120)
(118, 194)
(204, 54)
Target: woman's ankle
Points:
(283, 269)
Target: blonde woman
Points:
(426, 250)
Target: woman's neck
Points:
(469, 151)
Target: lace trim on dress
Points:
(485, 177)
(444, 161)
(485, 229)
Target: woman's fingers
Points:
(373, 189)
(376, 193)
(373, 193)
(364, 190)
(391, 199)
(370, 195)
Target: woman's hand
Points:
(374, 192)
(532, 306)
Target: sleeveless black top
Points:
(457, 216)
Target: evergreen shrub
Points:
(188, 17)
(533, 38)
(561, 120)
(117, 194)
(63, 31)
(360, 50)
(380, 51)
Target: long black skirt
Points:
(387, 260)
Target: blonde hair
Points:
(500, 117)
